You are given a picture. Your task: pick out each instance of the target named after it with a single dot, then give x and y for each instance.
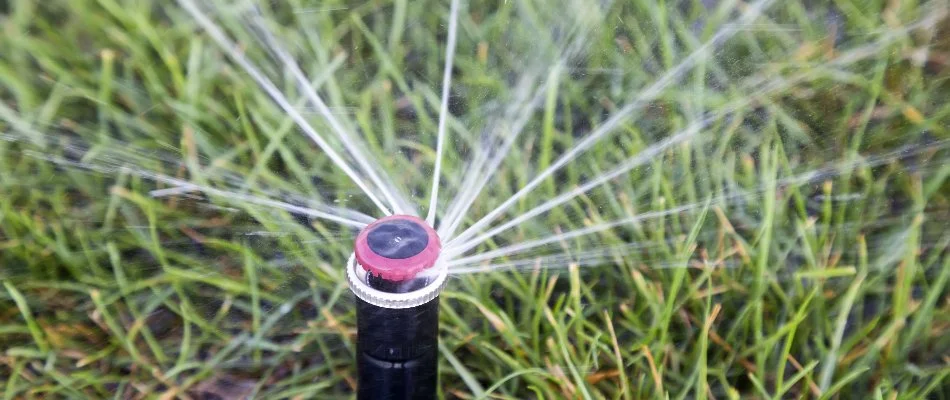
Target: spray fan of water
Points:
(696, 142)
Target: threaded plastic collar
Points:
(356, 278)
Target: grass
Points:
(829, 280)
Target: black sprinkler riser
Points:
(397, 351)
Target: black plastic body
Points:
(397, 351)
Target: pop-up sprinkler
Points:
(394, 275)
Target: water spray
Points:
(394, 273)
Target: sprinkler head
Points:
(397, 248)
(395, 263)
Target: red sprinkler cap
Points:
(397, 247)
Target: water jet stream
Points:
(355, 149)
(452, 253)
(443, 110)
(232, 50)
(526, 101)
(618, 117)
(760, 88)
(329, 213)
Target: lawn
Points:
(763, 213)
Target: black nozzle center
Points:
(398, 239)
